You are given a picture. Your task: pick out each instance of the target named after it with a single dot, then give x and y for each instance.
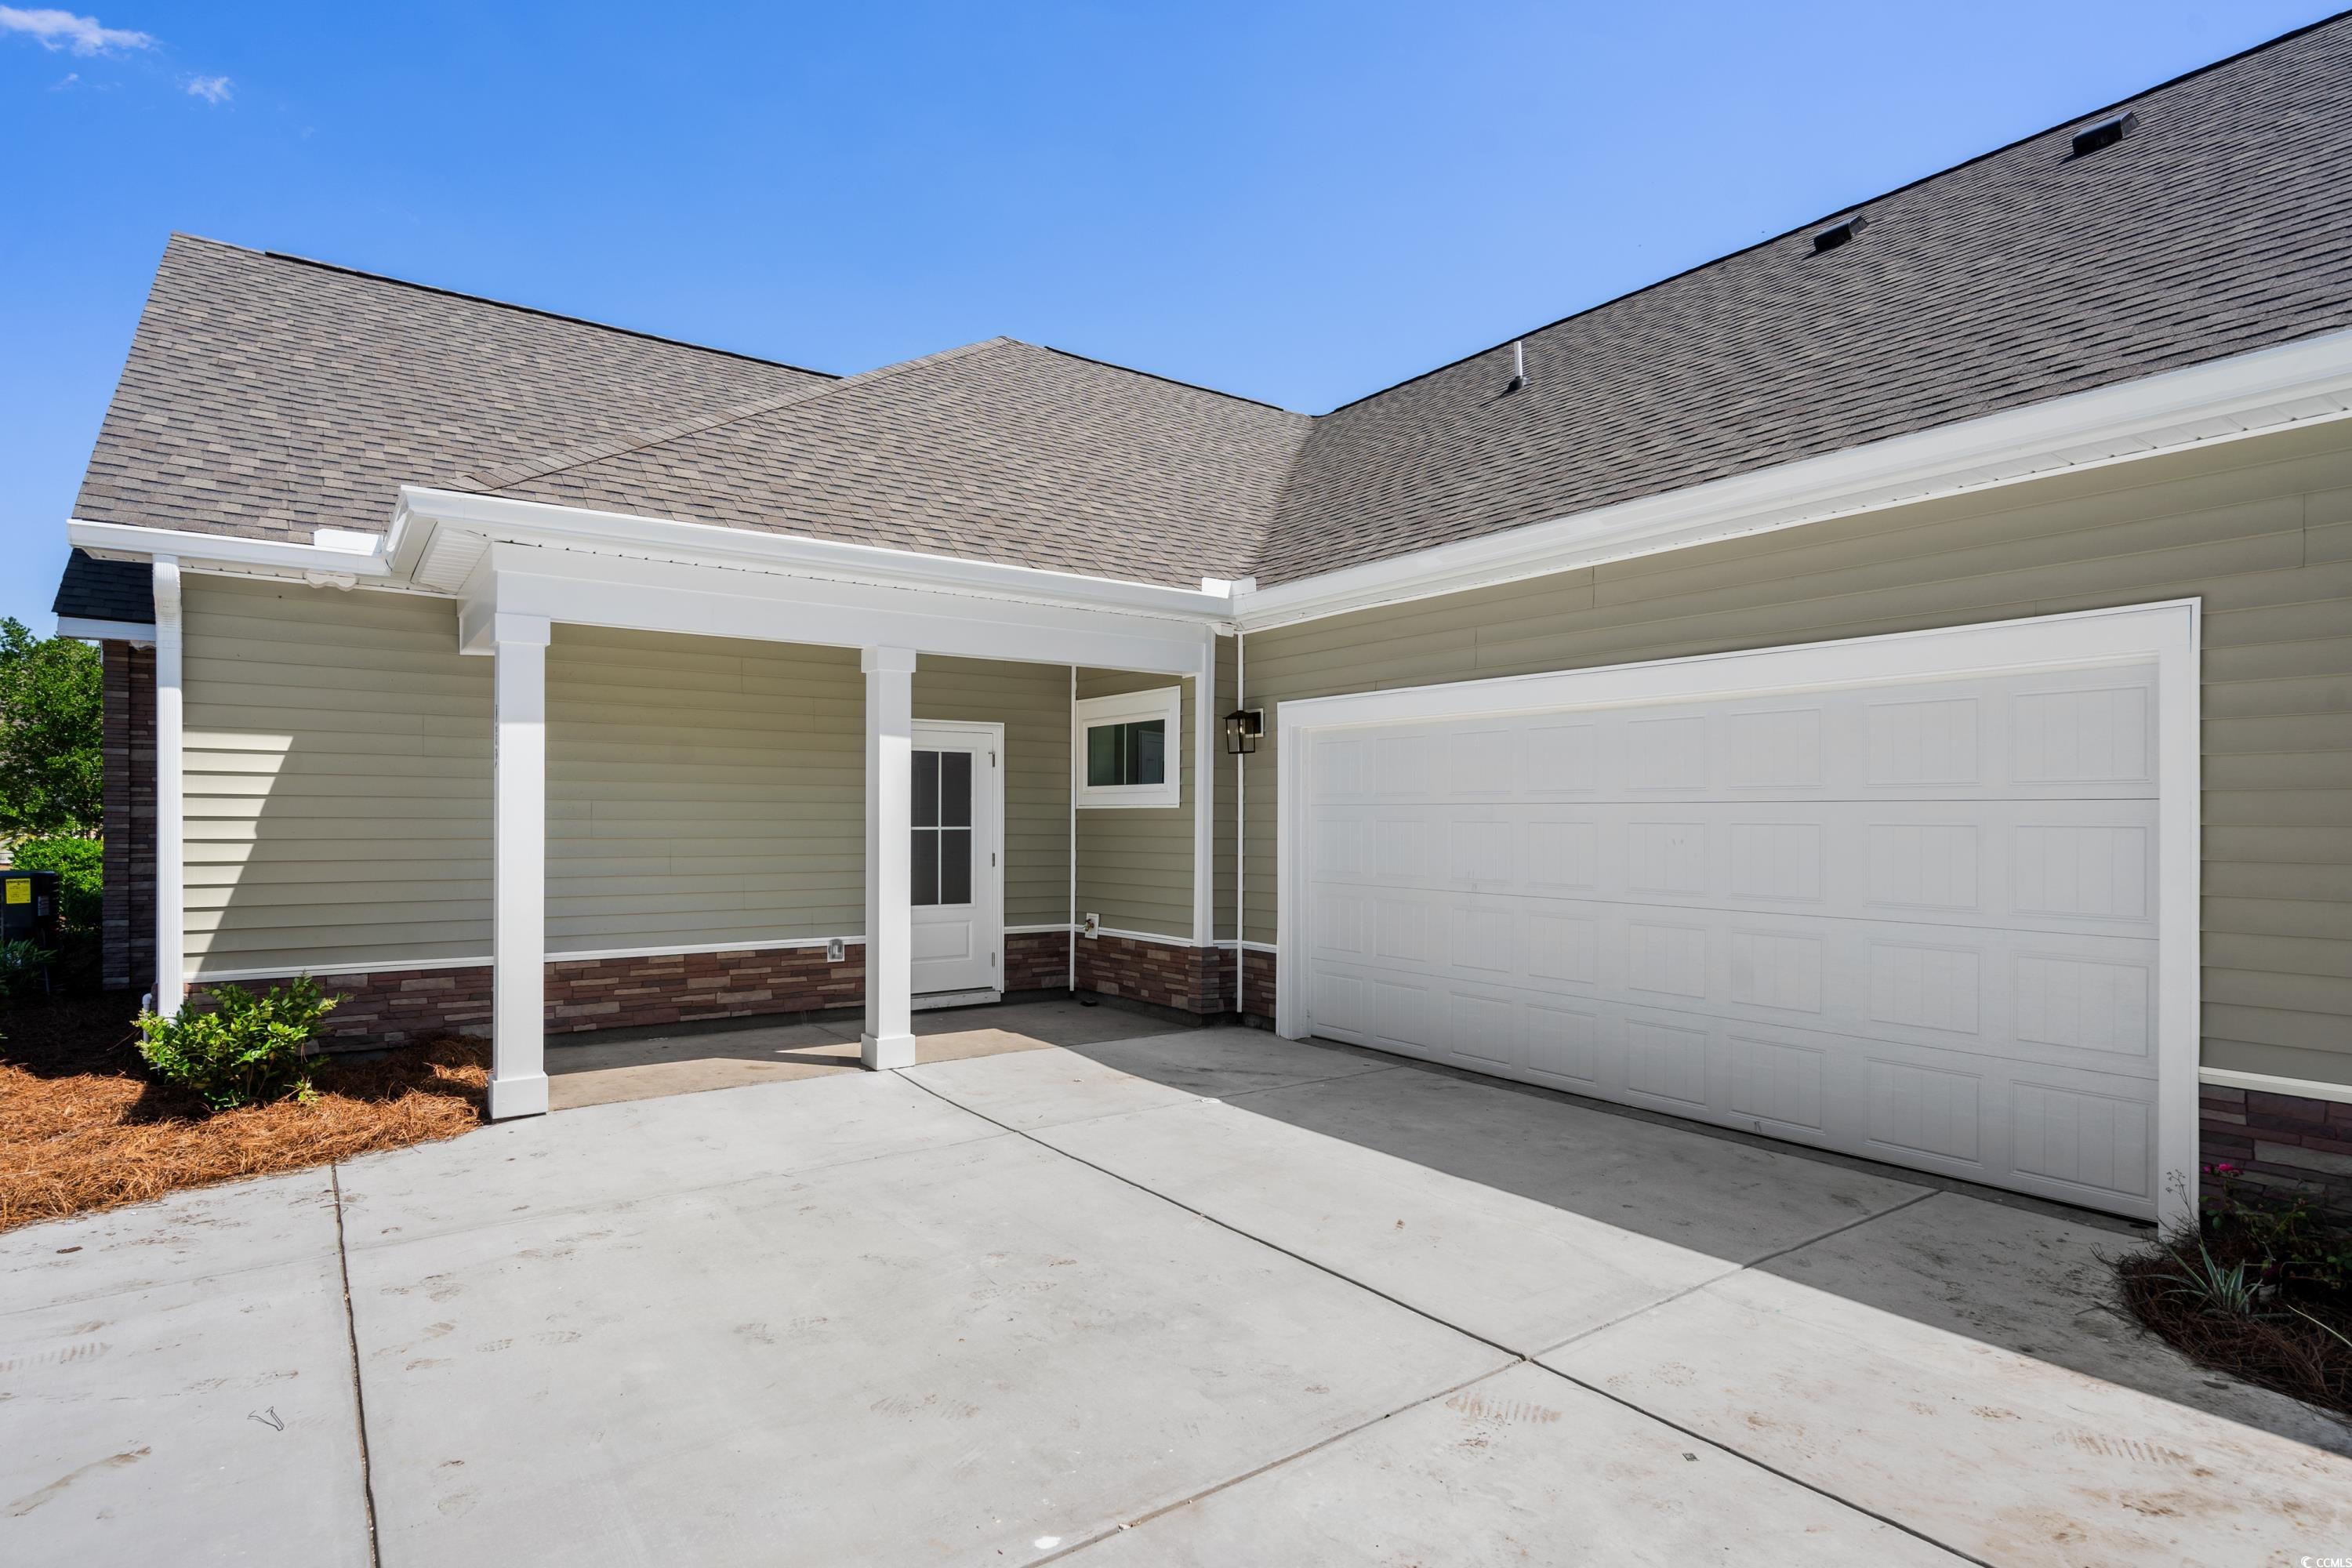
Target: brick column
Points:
(127, 746)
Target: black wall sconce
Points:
(1242, 727)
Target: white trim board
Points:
(2301, 383)
(2270, 1083)
(2166, 634)
(392, 966)
(141, 631)
(1160, 937)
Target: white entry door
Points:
(1915, 919)
(958, 871)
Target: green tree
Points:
(51, 696)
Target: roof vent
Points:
(1837, 234)
(1519, 367)
(2105, 133)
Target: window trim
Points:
(1162, 702)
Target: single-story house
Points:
(1889, 689)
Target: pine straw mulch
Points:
(83, 1127)
(2292, 1344)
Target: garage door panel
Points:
(2057, 865)
(2054, 734)
(2076, 999)
(1914, 921)
(2080, 1145)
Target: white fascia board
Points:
(596, 588)
(106, 631)
(422, 512)
(128, 542)
(2252, 394)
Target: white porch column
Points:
(171, 796)
(518, 918)
(890, 1039)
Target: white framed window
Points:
(1128, 750)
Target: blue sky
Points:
(1298, 203)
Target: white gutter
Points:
(171, 820)
(340, 554)
(141, 632)
(2252, 394)
(422, 513)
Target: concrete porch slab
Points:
(587, 1069)
(1999, 1455)
(1521, 1467)
(1048, 1089)
(943, 1354)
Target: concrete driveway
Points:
(1204, 1297)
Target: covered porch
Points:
(658, 774)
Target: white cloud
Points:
(64, 30)
(211, 89)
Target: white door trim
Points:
(2167, 633)
(991, 915)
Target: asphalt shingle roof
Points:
(265, 395)
(94, 590)
(2222, 223)
(999, 450)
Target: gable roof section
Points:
(265, 397)
(999, 450)
(2222, 223)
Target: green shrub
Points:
(21, 963)
(80, 866)
(244, 1050)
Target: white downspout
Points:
(1241, 831)
(1069, 779)
(171, 796)
(1205, 804)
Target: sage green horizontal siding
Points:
(1135, 864)
(710, 792)
(2260, 529)
(701, 791)
(338, 780)
(1033, 702)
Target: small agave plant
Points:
(2238, 1291)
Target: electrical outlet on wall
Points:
(835, 949)
(1093, 926)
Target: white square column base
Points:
(882, 1053)
(518, 1094)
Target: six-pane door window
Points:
(942, 828)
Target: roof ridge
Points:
(507, 476)
(1888, 194)
(294, 260)
(1170, 380)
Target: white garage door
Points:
(1915, 920)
